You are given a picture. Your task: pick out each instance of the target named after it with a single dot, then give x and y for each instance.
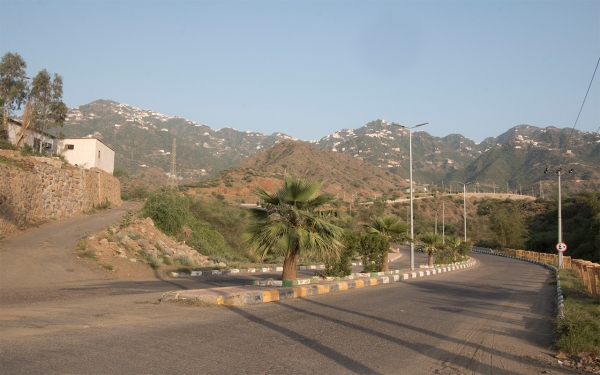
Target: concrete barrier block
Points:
(421, 273)
(215, 272)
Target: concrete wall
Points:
(87, 153)
(40, 188)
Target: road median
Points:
(256, 294)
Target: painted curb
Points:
(560, 299)
(259, 270)
(288, 292)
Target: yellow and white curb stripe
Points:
(256, 295)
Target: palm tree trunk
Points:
(386, 266)
(289, 265)
(430, 258)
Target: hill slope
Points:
(342, 175)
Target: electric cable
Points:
(579, 114)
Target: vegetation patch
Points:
(579, 330)
(12, 163)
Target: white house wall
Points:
(88, 153)
(13, 132)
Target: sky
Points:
(310, 68)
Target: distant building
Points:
(32, 137)
(87, 153)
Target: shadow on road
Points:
(343, 360)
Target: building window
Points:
(98, 154)
(70, 147)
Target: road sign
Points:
(561, 246)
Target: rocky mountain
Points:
(342, 175)
(143, 139)
(516, 158)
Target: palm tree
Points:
(453, 243)
(289, 223)
(432, 242)
(390, 228)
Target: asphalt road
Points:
(494, 318)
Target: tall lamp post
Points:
(412, 227)
(465, 205)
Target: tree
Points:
(13, 85)
(453, 243)
(390, 228)
(508, 226)
(289, 223)
(432, 244)
(46, 97)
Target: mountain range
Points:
(514, 160)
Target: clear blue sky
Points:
(309, 68)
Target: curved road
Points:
(494, 318)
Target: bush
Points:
(340, 267)
(119, 172)
(167, 210)
(373, 249)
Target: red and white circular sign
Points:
(561, 246)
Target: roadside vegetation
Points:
(579, 331)
(213, 228)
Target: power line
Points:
(580, 109)
(587, 146)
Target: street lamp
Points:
(412, 227)
(465, 205)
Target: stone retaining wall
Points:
(33, 189)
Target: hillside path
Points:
(43, 256)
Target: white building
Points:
(87, 153)
(32, 137)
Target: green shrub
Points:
(373, 249)
(340, 267)
(119, 172)
(167, 210)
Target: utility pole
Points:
(560, 254)
(173, 183)
(435, 229)
(443, 223)
(560, 237)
